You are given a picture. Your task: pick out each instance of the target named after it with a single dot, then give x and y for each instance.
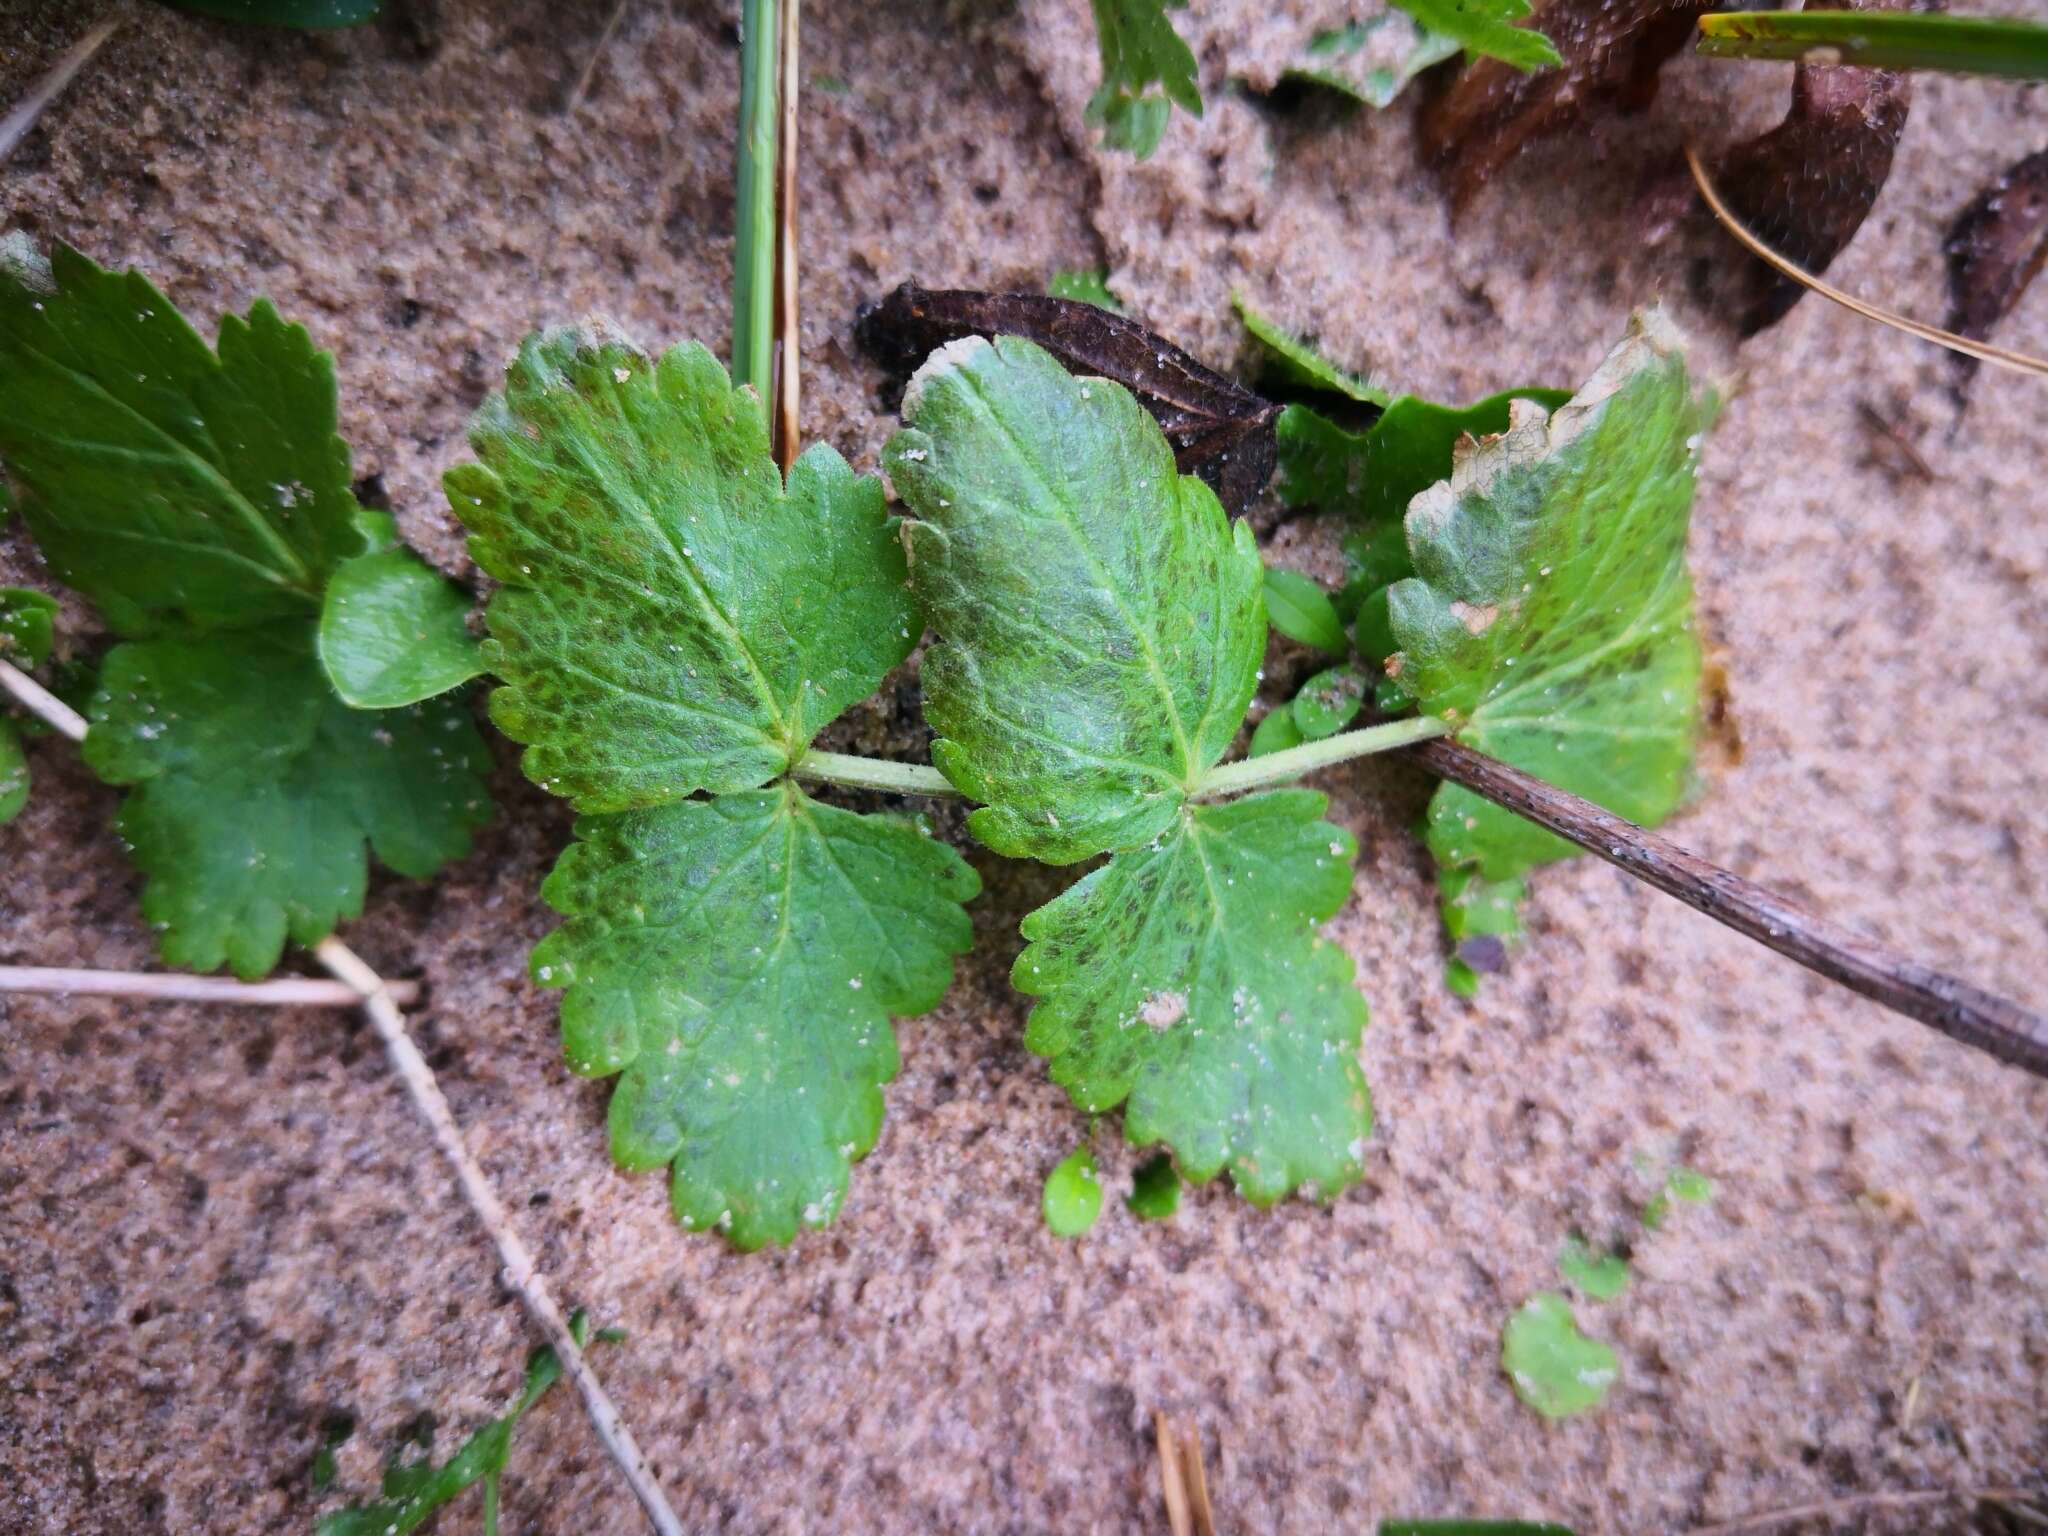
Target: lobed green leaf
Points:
(27, 626)
(254, 790)
(1551, 617)
(672, 618)
(1484, 29)
(1101, 622)
(738, 961)
(1553, 1367)
(1140, 49)
(165, 480)
(1185, 981)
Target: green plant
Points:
(201, 500)
(415, 1491)
(1977, 45)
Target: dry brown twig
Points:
(379, 1002)
(1183, 1483)
(14, 127)
(1854, 1503)
(173, 987)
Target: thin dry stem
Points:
(1856, 1503)
(158, 986)
(521, 1273)
(1172, 1481)
(788, 364)
(1983, 351)
(582, 87)
(15, 126)
(40, 702)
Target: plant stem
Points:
(788, 369)
(1285, 766)
(1971, 45)
(521, 1273)
(169, 986)
(1959, 1010)
(753, 263)
(871, 773)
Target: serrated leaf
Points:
(393, 631)
(415, 1491)
(1300, 609)
(671, 618)
(298, 14)
(27, 626)
(1140, 49)
(1483, 28)
(1155, 1189)
(1089, 287)
(1300, 365)
(14, 778)
(1185, 981)
(1551, 619)
(738, 960)
(253, 790)
(1073, 1195)
(1101, 621)
(165, 480)
(1553, 1367)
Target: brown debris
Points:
(1219, 429)
(1995, 247)
(1612, 51)
(1805, 187)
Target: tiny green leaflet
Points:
(393, 631)
(1551, 617)
(1299, 365)
(1371, 62)
(738, 961)
(1300, 609)
(1090, 286)
(253, 790)
(14, 776)
(1101, 621)
(1484, 28)
(1073, 1194)
(1140, 49)
(27, 626)
(1155, 1189)
(1553, 1367)
(671, 618)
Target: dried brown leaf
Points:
(1612, 51)
(1219, 429)
(1995, 247)
(1805, 187)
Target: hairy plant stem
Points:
(753, 263)
(1285, 766)
(871, 773)
(521, 1274)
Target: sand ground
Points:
(217, 1229)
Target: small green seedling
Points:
(1073, 1194)
(414, 1492)
(1553, 1367)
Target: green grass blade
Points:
(753, 263)
(1965, 45)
